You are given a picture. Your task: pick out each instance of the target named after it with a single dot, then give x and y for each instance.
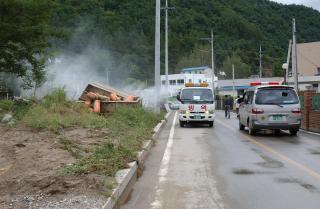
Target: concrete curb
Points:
(310, 132)
(123, 178)
(127, 177)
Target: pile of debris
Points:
(106, 99)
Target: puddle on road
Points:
(315, 151)
(309, 187)
(293, 141)
(243, 171)
(256, 151)
(270, 163)
(204, 133)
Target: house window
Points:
(190, 80)
(172, 82)
(180, 81)
(163, 83)
(200, 80)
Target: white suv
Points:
(272, 107)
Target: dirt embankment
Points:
(30, 163)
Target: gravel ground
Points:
(29, 165)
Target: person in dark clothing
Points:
(227, 106)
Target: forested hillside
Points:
(125, 31)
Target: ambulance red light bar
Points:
(264, 83)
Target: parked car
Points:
(174, 105)
(271, 106)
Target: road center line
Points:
(157, 203)
(307, 170)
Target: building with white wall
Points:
(197, 70)
(188, 75)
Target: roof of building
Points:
(194, 68)
(243, 83)
(308, 58)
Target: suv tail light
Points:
(257, 111)
(296, 111)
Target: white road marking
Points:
(157, 203)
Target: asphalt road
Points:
(198, 167)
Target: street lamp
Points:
(285, 67)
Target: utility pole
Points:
(212, 61)
(212, 57)
(108, 78)
(260, 66)
(294, 56)
(166, 55)
(233, 87)
(157, 57)
(166, 47)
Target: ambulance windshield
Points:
(196, 95)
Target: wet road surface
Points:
(200, 167)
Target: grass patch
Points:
(128, 128)
(17, 108)
(55, 112)
(71, 147)
(109, 184)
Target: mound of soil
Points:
(29, 165)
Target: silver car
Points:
(272, 107)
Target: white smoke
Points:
(74, 72)
(150, 96)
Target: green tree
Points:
(24, 37)
(242, 70)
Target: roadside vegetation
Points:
(126, 129)
(17, 108)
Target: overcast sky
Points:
(310, 3)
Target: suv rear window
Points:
(280, 96)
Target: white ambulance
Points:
(197, 104)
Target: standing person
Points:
(227, 106)
(237, 103)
